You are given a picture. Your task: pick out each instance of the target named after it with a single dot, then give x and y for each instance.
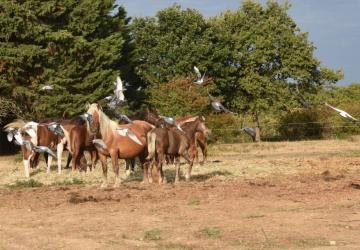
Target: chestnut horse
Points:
(198, 139)
(173, 142)
(118, 146)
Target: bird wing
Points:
(350, 116)
(48, 150)
(332, 107)
(10, 136)
(119, 84)
(133, 137)
(19, 138)
(224, 109)
(197, 71)
(122, 131)
(100, 142)
(216, 106)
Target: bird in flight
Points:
(129, 133)
(199, 79)
(122, 117)
(217, 105)
(119, 90)
(47, 88)
(171, 121)
(342, 112)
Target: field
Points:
(279, 195)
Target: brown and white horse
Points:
(118, 146)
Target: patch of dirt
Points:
(294, 212)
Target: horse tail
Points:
(151, 142)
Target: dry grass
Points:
(226, 161)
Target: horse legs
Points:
(68, 160)
(94, 158)
(129, 166)
(115, 163)
(49, 164)
(59, 151)
(177, 169)
(104, 169)
(203, 147)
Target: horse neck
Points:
(106, 125)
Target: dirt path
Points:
(292, 212)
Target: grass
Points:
(153, 234)
(213, 232)
(174, 245)
(194, 201)
(226, 162)
(25, 184)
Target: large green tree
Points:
(76, 46)
(263, 61)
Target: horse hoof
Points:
(127, 173)
(104, 185)
(164, 181)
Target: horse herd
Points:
(146, 137)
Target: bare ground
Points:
(292, 195)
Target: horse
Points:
(80, 140)
(173, 142)
(117, 145)
(41, 136)
(198, 139)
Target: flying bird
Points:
(250, 131)
(100, 143)
(342, 112)
(14, 135)
(199, 79)
(217, 105)
(129, 133)
(119, 90)
(122, 117)
(42, 149)
(171, 121)
(87, 117)
(47, 88)
(56, 128)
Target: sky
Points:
(333, 26)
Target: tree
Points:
(76, 46)
(170, 44)
(261, 56)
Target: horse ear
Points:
(203, 118)
(87, 105)
(99, 106)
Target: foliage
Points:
(260, 55)
(153, 234)
(179, 97)
(25, 184)
(72, 45)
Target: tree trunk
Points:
(257, 127)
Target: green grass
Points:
(25, 184)
(194, 201)
(73, 181)
(153, 234)
(213, 232)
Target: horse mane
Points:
(106, 123)
(19, 123)
(186, 119)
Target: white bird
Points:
(341, 112)
(119, 90)
(42, 149)
(100, 143)
(14, 133)
(217, 105)
(47, 88)
(128, 132)
(199, 79)
(87, 117)
(171, 121)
